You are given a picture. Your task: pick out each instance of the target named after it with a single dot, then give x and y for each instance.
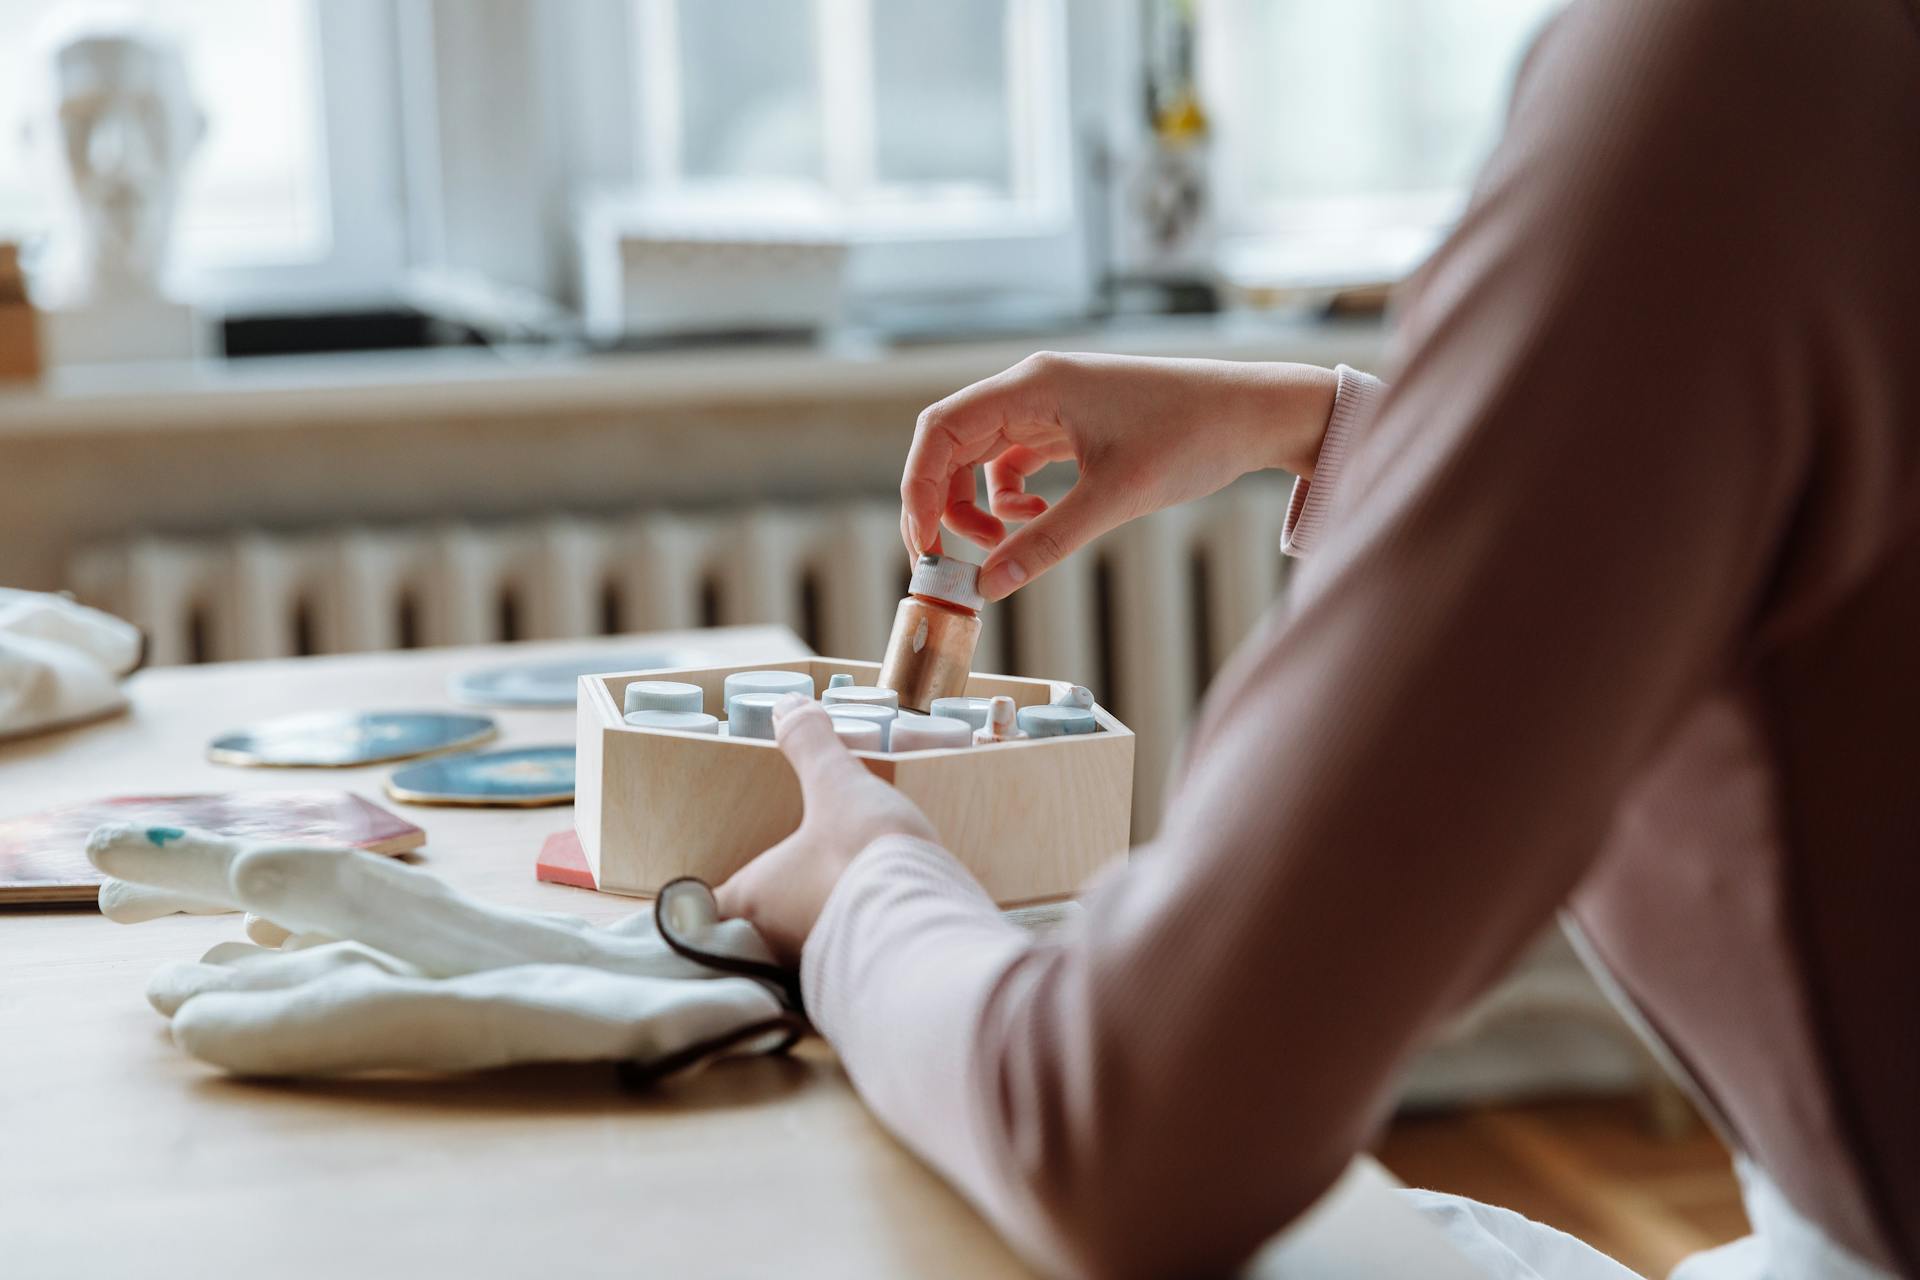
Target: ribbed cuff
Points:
(1355, 399)
(904, 869)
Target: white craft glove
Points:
(60, 662)
(424, 979)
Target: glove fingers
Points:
(363, 1019)
(264, 931)
(190, 863)
(235, 966)
(410, 914)
(126, 903)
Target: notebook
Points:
(43, 856)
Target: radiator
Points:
(1144, 617)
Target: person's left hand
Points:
(845, 808)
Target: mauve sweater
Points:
(1613, 600)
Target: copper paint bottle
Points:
(930, 653)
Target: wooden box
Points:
(1032, 819)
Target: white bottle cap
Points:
(881, 716)
(1074, 695)
(839, 680)
(972, 710)
(684, 721)
(860, 695)
(662, 695)
(945, 578)
(750, 715)
(764, 682)
(1056, 722)
(859, 735)
(926, 733)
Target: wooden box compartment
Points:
(1032, 819)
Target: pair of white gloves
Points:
(360, 963)
(60, 662)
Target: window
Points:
(292, 193)
(934, 123)
(1348, 130)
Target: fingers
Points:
(126, 903)
(193, 864)
(804, 732)
(964, 516)
(960, 432)
(412, 915)
(264, 931)
(1087, 511)
(1007, 483)
(235, 967)
(362, 1019)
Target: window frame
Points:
(362, 190)
(1030, 241)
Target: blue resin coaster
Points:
(343, 739)
(552, 683)
(513, 777)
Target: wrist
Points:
(1296, 408)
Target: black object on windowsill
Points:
(374, 329)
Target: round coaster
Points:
(513, 777)
(344, 739)
(551, 683)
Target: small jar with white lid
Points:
(928, 733)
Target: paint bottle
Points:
(860, 695)
(858, 735)
(1056, 721)
(750, 715)
(972, 710)
(928, 733)
(661, 695)
(1074, 695)
(763, 682)
(880, 717)
(930, 653)
(683, 721)
(1000, 726)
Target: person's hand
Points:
(1147, 433)
(845, 808)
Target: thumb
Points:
(1088, 510)
(804, 733)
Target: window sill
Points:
(263, 394)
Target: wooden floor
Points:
(1594, 1168)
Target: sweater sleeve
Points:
(1356, 399)
(1551, 538)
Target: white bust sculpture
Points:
(121, 123)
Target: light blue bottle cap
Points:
(881, 716)
(973, 710)
(662, 695)
(750, 715)
(927, 733)
(684, 721)
(1055, 722)
(861, 695)
(764, 682)
(839, 680)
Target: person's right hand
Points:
(1146, 433)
